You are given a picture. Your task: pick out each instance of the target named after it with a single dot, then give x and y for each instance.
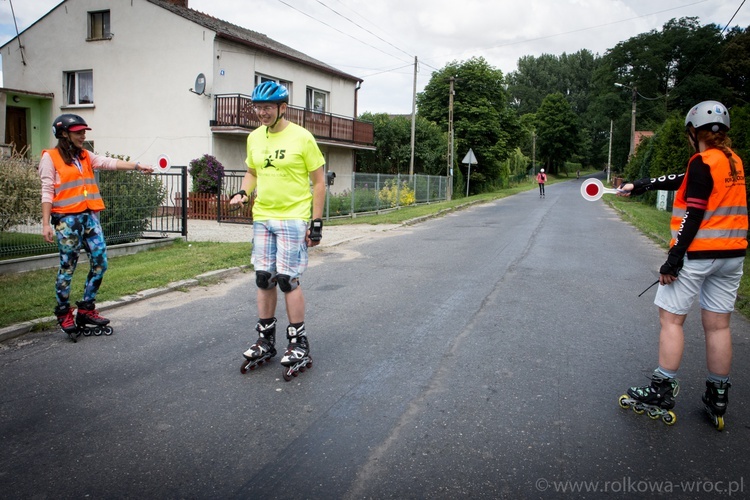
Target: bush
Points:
(131, 199)
(207, 173)
(20, 187)
(395, 195)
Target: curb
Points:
(13, 331)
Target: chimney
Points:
(180, 3)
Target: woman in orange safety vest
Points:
(709, 241)
(71, 203)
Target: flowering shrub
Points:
(394, 195)
(206, 172)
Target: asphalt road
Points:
(477, 355)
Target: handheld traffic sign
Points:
(163, 164)
(593, 189)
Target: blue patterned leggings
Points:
(74, 233)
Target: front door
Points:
(16, 133)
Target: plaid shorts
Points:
(715, 281)
(279, 246)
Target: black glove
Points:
(672, 266)
(241, 192)
(316, 230)
(641, 186)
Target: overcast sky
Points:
(377, 40)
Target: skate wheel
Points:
(654, 414)
(623, 402)
(670, 418)
(107, 330)
(86, 331)
(719, 423)
(98, 331)
(288, 374)
(243, 368)
(638, 410)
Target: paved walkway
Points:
(204, 230)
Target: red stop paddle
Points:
(593, 189)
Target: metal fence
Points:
(141, 206)
(351, 195)
(138, 207)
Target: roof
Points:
(249, 38)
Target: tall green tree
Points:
(393, 146)
(482, 118)
(557, 132)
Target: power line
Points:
(338, 30)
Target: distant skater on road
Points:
(705, 260)
(541, 178)
(282, 160)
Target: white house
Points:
(154, 77)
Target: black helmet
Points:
(68, 123)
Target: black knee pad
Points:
(286, 283)
(265, 280)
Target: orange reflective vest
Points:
(77, 190)
(723, 229)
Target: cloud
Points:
(377, 39)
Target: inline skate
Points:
(656, 399)
(89, 322)
(297, 358)
(263, 349)
(715, 400)
(67, 322)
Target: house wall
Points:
(142, 104)
(142, 107)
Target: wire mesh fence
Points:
(138, 206)
(141, 206)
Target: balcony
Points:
(236, 111)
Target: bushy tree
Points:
(20, 201)
(393, 142)
(557, 132)
(482, 119)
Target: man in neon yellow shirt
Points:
(282, 160)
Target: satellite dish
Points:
(200, 84)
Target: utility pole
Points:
(632, 124)
(609, 156)
(450, 131)
(413, 118)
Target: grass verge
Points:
(30, 295)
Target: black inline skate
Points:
(716, 399)
(67, 322)
(297, 358)
(656, 399)
(263, 349)
(89, 321)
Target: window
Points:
(79, 87)
(316, 100)
(99, 25)
(263, 78)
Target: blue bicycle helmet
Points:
(270, 91)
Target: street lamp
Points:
(632, 118)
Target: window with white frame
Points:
(264, 78)
(79, 87)
(317, 100)
(98, 28)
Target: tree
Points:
(393, 146)
(557, 132)
(482, 119)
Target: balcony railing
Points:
(236, 110)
